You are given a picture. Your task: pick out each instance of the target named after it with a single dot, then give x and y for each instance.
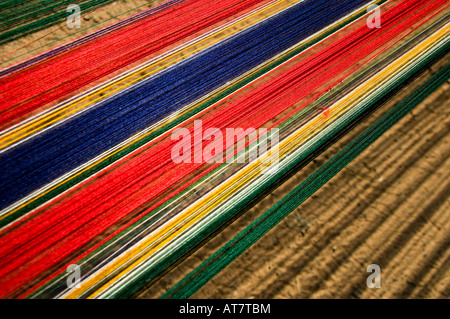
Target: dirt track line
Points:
(399, 230)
